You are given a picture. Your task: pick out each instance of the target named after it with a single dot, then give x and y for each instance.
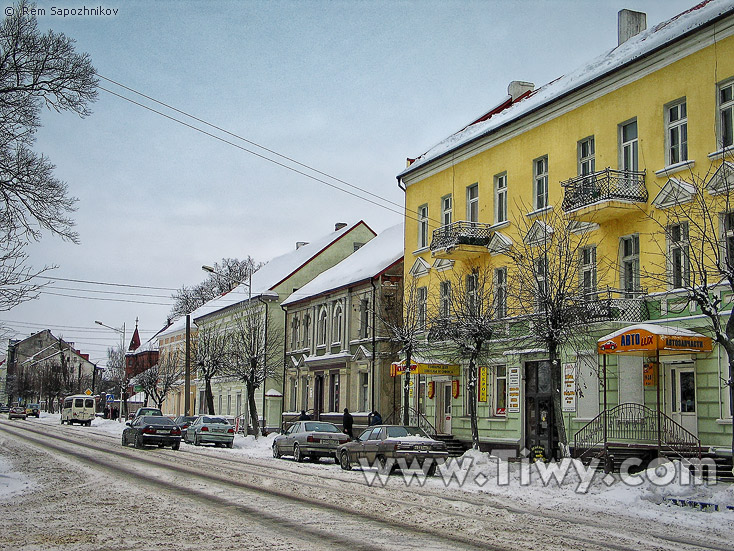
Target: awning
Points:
(648, 338)
(423, 367)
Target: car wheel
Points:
(175, 445)
(138, 442)
(297, 454)
(344, 461)
(432, 469)
(231, 445)
(124, 442)
(276, 451)
(382, 460)
(197, 442)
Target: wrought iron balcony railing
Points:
(614, 305)
(605, 185)
(460, 233)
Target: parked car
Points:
(312, 439)
(146, 411)
(17, 412)
(183, 422)
(152, 430)
(385, 442)
(213, 430)
(33, 410)
(4, 408)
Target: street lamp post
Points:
(122, 351)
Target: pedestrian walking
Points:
(348, 423)
(304, 416)
(374, 418)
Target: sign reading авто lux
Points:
(638, 340)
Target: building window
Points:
(294, 331)
(445, 299)
(334, 392)
(338, 321)
(630, 264)
(422, 226)
(678, 255)
(500, 390)
(541, 282)
(304, 393)
(726, 114)
(676, 121)
(422, 307)
(446, 206)
(472, 203)
(500, 292)
(364, 395)
(472, 282)
(321, 328)
(628, 146)
(727, 252)
(540, 185)
(587, 275)
(364, 318)
(306, 328)
(500, 198)
(293, 385)
(587, 164)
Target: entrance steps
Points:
(455, 447)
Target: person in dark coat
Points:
(304, 416)
(348, 423)
(374, 418)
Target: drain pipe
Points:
(374, 342)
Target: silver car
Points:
(213, 430)
(312, 439)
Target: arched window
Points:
(321, 328)
(337, 326)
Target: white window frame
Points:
(322, 332)
(586, 151)
(338, 320)
(725, 118)
(364, 318)
(629, 259)
(541, 282)
(678, 255)
(500, 292)
(472, 284)
(472, 203)
(499, 379)
(446, 209)
(500, 198)
(423, 226)
(422, 296)
(629, 147)
(587, 271)
(445, 291)
(676, 132)
(540, 183)
(364, 391)
(727, 240)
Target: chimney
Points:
(517, 88)
(629, 24)
(300, 244)
(339, 225)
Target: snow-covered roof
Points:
(274, 272)
(661, 330)
(371, 259)
(635, 48)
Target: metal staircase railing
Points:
(415, 419)
(634, 424)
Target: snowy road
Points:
(85, 491)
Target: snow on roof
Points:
(368, 261)
(274, 272)
(636, 47)
(655, 329)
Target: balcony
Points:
(460, 240)
(603, 195)
(614, 305)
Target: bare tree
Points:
(210, 351)
(545, 290)
(465, 321)
(255, 352)
(36, 70)
(115, 377)
(225, 277)
(407, 332)
(697, 254)
(164, 377)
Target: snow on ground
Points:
(476, 473)
(12, 482)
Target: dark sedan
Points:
(17, 412)
(390, 446)
(312, 439)
(152, 430)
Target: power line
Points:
(56, 287)
(106, 283)
(106, 299)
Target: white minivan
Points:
(79, 408)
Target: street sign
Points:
(110, 397)
(138, 388)
(88, 392)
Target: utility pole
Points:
(187, 377)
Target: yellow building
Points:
(610, 147)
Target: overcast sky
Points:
(350, 88)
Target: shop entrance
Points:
(443, 408)
(540, 432)
(682, 404)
